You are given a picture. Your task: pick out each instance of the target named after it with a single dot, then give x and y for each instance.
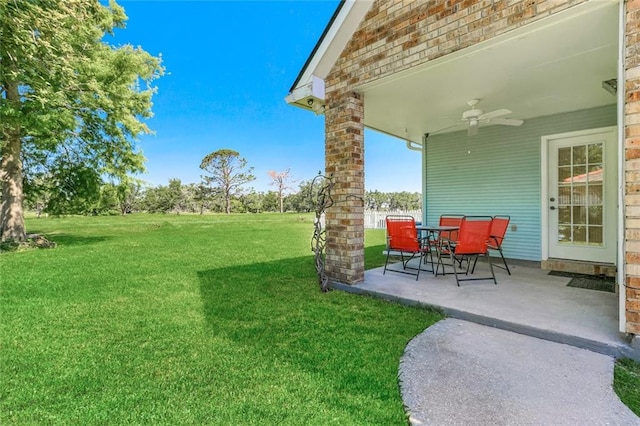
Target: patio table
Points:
(434, 233)
(435, 230)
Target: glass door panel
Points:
(580, 201)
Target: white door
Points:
(582, 203)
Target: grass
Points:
(161, 319)
(626, 383)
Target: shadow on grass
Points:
(74, 240)
(350, 343)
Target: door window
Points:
(580, 195)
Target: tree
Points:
(253, 201)
(376, 200)
(201, 197)
(68, 100)
(163, 199)
(282, 182)
(302, 201)
(128, 192)
(176, 196)
(270, 202)
(227, 173)
(405, 200)
(108, 202)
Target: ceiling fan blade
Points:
(507, 121)
(494, 114)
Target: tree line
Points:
(197, 198)
(221, 190)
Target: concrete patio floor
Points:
(529, 302)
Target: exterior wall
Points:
(394, 36)
(498, 172)
(632, 165)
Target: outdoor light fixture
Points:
(317, 108)
(610, 86)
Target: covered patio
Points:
(557, 88)
(529, 302)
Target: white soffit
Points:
(308, 92)
(551, 66)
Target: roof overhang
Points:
(554, 65)
(308, 91)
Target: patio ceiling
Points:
(554, 66)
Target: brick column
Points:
(632, 165)
(344, 161)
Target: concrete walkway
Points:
(460, 373)
(528, 351)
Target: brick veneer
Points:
(632, 165)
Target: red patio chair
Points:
(402, 238)
(451, 220)
(448, 238)
(499, 227)
(473, 241)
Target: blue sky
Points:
(229, 65)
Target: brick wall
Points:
(632, 165)
(399, 34)
(395, 35)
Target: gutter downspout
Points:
(621, 263)
(424, 177)
(414, 146)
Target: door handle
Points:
(552, 208)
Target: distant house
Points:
(525, 108)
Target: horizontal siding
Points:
(497, 172)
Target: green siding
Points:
(497, 172)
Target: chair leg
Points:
(404, 265)
(386, 261)
(475, 259)
(430, 253)
(430, 256)
(504, 261)
(453, 263)
(491, 268)
(441, 262)
(438, 266)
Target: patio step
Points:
(579, 267)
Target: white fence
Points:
(375, 219)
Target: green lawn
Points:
(627, 383)
(162, 319)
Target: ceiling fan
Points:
(473, 117)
